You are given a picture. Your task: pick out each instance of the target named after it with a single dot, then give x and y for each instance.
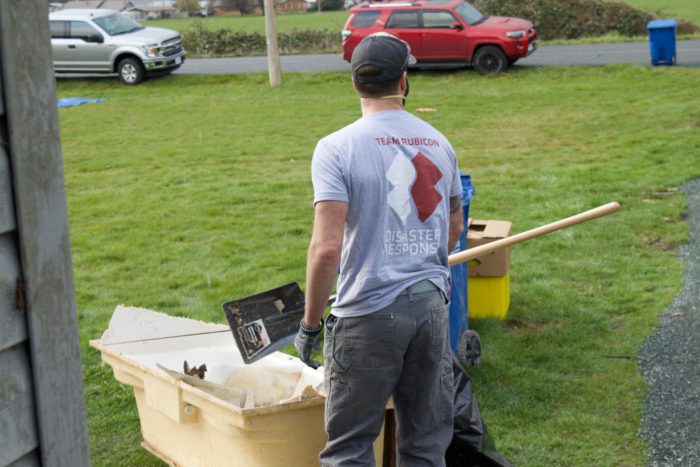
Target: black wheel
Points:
(130, 71)
(469, 348)
(489, 60)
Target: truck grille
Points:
(172, 46)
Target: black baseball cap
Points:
(385, 51)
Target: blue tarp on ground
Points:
(71, 101)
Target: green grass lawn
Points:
(188, 191)
(286, 22)
(676, 9)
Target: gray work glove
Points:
(307, 340)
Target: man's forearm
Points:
(320, 276)
(323, 258)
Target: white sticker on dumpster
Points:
(254, 337)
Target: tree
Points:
(244, 6)
(191, 7)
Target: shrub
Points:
(328, 5)
(572, 19)
(308, 41)
(200, 41)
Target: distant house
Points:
(143, 10)
(117, 5)
(283, 6)
(136, 9)
(153, 9)
(82, 4)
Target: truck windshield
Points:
(470, 14)
(117, 24)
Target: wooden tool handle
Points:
(481, 250)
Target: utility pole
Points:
(273, 53)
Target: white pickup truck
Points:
(105, 41)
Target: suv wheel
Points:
(130, 71)
(489, 60)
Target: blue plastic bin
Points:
(458, 295)
(662, 41)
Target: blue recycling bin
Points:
(458, 295)
(662, 41)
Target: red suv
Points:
(444, 32)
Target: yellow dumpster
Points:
(266, 414)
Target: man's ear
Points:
(403, 82)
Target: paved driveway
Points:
(688, 53)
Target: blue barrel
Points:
(662, 41)
(458, 295)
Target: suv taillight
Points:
(345, 33)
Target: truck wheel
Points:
(130, 71)
(489, 60)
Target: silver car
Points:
(105, 41)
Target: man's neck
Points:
(371, 106)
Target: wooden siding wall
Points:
(42, 408)
(18, 434)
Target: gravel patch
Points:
(670, 362)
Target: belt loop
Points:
(409, 292)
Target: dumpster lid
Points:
(277, 379)
(662, 24)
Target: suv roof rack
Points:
(382, 5)
(387, 4)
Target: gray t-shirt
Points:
(397, 173)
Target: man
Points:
(386, 212)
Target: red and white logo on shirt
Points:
(413, 179)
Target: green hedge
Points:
(227, 43)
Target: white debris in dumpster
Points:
(161, 341)
(275, 381)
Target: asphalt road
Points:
(688, 54)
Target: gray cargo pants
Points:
(404, 351)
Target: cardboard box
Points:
(486, 231)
